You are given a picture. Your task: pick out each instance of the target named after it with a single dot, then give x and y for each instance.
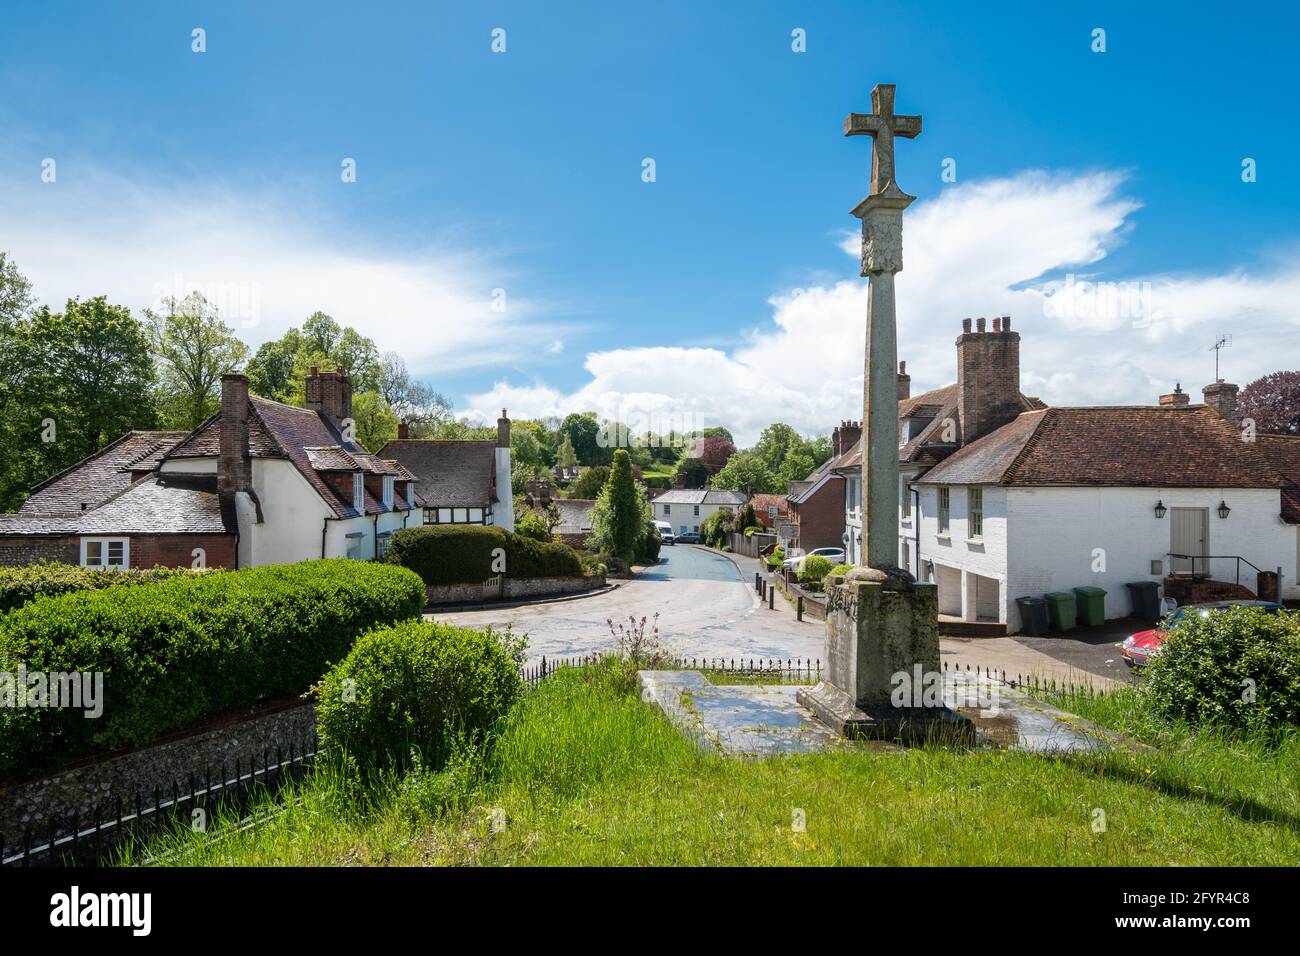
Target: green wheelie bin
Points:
(1060, 609)
(1091, 602)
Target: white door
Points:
(1187, 535)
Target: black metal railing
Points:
(1205, 560)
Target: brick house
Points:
(770, 509)
(816, 504)
(257, 483)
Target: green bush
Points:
(815, 567)
(189, 647)
(49, 578)
(417, 691)
(532, 525)
(1237, 668)
(466, 553)
(647, 551)
(841, 569)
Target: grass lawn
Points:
(584, 773)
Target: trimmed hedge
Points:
(1237, 668)
(190, 647)
(417, 690)
(464, 554)
(18, 586)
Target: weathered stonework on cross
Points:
(880, 624)
(882, 256)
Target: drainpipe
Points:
(916, 527)
(324, 528)
(376, 535)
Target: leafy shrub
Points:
(815, 567)
(457, 554)
(841, 569)
(593, 564)
(648, 550)
(1238, 668)
(49, 578)
(189, 647)
(417, 690)
(532, 525)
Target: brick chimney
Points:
(330, 393)
(845, 436)
(988, 377)
(503, 430)
(904, 382)
(1177, 398)
(234, 469)
(403, 431)
(1222, 397)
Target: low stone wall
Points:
(80, 790)
(510, 589)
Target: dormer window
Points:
(388, 491)
(358, 491)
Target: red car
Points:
(1138, 648)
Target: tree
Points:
(745, 471)
(776, 441)
(694, 472)
(718, 432)
(193, 348)
(583, 430)
(715, 451)
(589, 483)
(70, 383)
(526, 455)
(618, 518)
(321, 333)
(270, 371)
(566, 457)
(15, 293)
(374, 422)
(1273, 403)
(796, 467)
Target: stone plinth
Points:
(880, 627)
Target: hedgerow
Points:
(18, 586)
(189, 647)
(460, 554)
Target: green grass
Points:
(584, 773)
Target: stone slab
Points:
(911, 726)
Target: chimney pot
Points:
(1006, 323)
(403, 431)
(979, 324)
(965, 325)
(902, 368)
(997, 323)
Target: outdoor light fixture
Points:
(1223, 508)
(1160, 509)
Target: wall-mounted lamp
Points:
(1160, 509)
(1224, 510)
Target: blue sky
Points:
(521, 171)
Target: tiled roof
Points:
(702, 496)
(1139, 445)
(1282, 452)
(451, 474)
(575, 515)
(104, 474)
(164, 504)
(940, 406)
(762, 503)
(159, 504)
(205, 441)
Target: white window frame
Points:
(905, 499)
(104, 544)
(975, 513)
(668, 509)
(358, 491)
(945, 509)
(388, 491)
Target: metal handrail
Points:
(1213, 557)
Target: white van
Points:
(666, 532)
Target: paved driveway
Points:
(706, 609)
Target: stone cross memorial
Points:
(882, 628)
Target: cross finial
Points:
(882, 126)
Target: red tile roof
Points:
(107, 473)
(1141, 446)
(1282, 452)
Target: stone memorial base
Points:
(882, 634)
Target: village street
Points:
(708, 608)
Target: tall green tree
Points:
(566, 457)
(583, 430)
(193, 348)
(617, 519)
(373, 421)
(746, 471)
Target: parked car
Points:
(689, 537)
(1139, 648)
(834, 555)
(666, 532)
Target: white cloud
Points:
(998, 247)
(268, 260)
